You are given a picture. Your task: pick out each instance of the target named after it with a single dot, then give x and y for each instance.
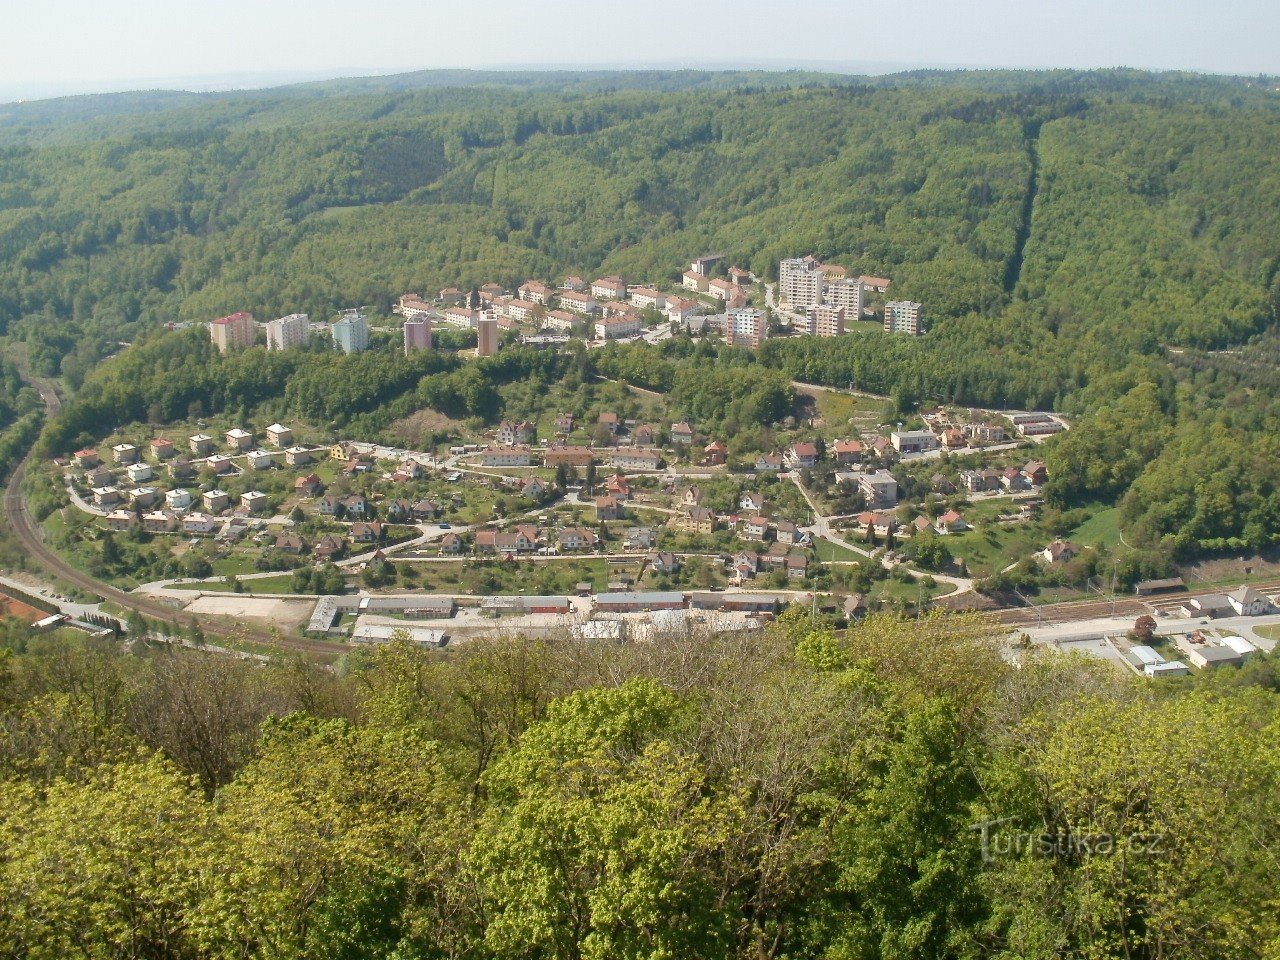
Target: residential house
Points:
(144, 496)
(105, 496)
(609, 420)
(221, 464)
(640, 538)
(574, 283)
(329, 548)
(511, 433)
(309, 486)
(985, 432)
(533, 488)
(160, 521)
(297, 456)
(1060, 551)
(751, 501)
(201, 445)
(692, 497)
(178, 499)
(345, 452)
(681, 432)
(1012, 479)
(199, 524)
(367, 531)
(954, 439)
(329, 504)
(408, 470)
(980, 481)
(697, 520)
(788, 532)
(803, 454)
(576, 539)
(848, 451)
(951, 522)
(643, 435)
(744, 566)
(618, 486)
(680, 309)
(292, 544)
(769, 463)
(261, 460)
(797, 566)
(879, 488)
(121, 520)
(941, 483)
(239, 440)
(535, 292)
(87, 459)
(715, 454)
(451, 544)
(608, 508)
(880, 523)
(255, 501)
(279, 435)
(139, 472)
(99, 477)
(663, 562)
(426, 509)
(356, 506)
(1036, 472)
(124, 453)
(181, 469)
(162, 448)
(564, 423)
(755, 528)
(399, 510)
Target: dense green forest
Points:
(1082, 241)
(902, 792)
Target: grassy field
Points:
(827, 551)
(1101, 530)
(493, 577)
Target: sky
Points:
(56, 47)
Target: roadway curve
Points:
(27, 530)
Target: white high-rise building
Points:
(800, 282)
(288, 332)
(904, 316)
(745, 327)
(351, 332)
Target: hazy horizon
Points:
(242, 44)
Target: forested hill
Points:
(1080, 240)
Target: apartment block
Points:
(800, 282)
(904, 316)
(234, 332)
(289, 332)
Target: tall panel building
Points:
(486, 336)
(904, 316)
(800, 282)
(848, 294)
(826, 320)
(745, 327)
(233, 332)
(351, 331)
(417, 335)
(288, 332)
